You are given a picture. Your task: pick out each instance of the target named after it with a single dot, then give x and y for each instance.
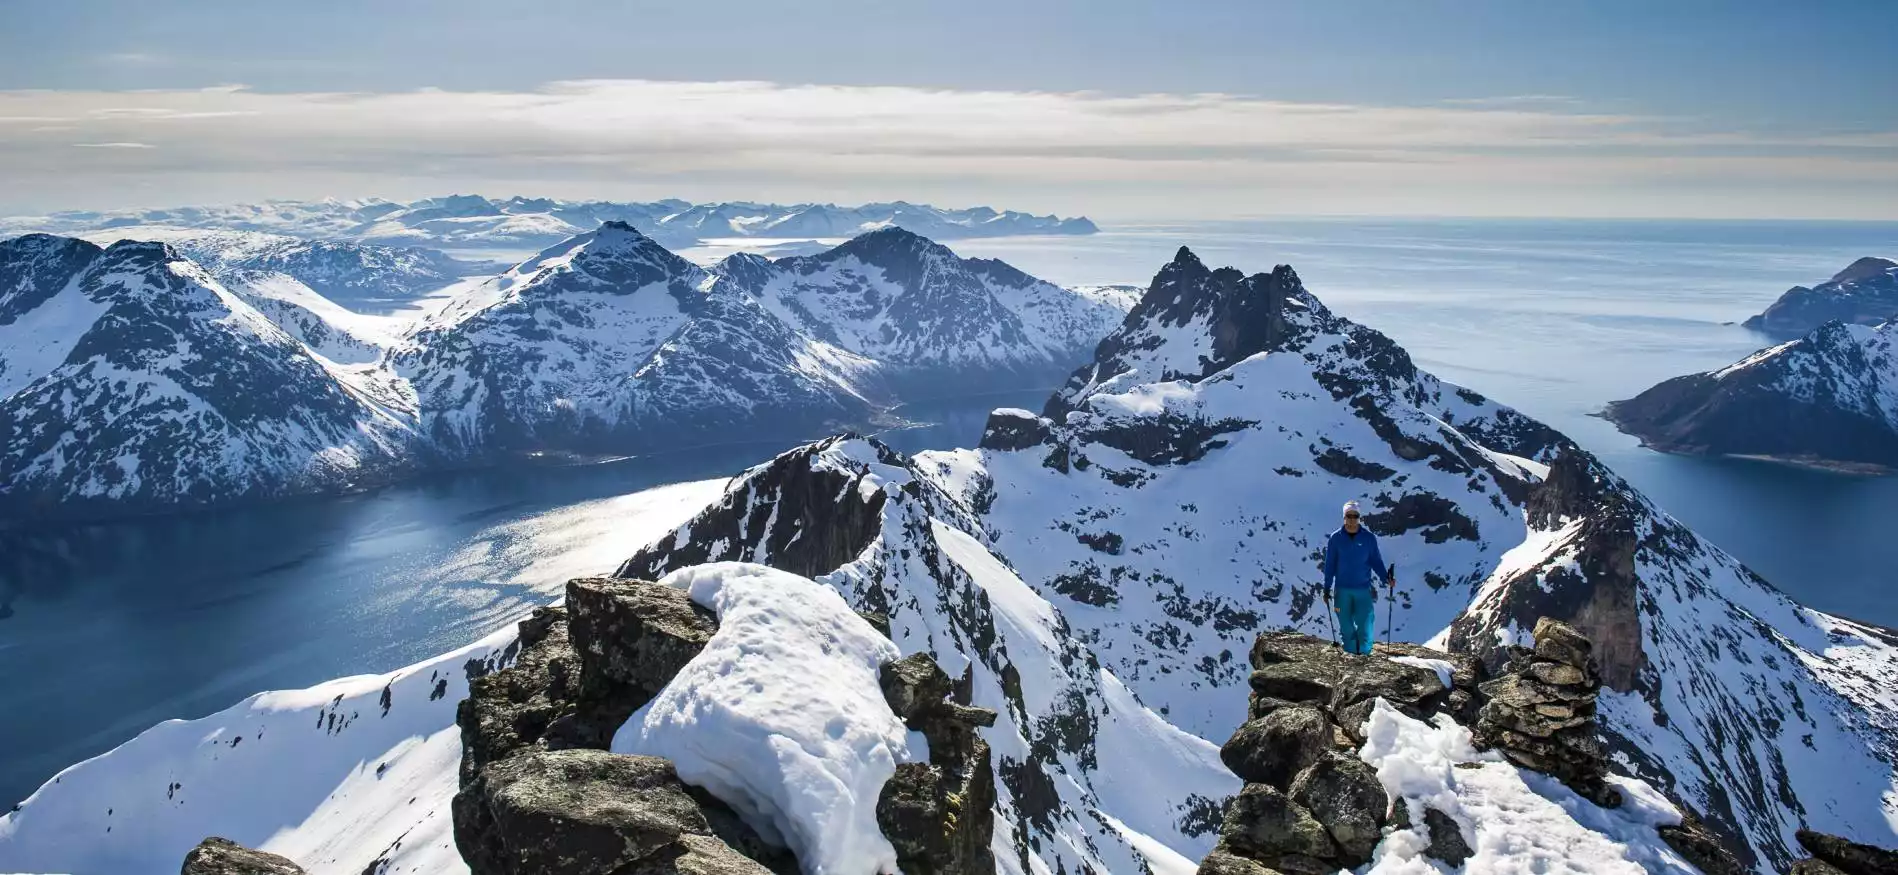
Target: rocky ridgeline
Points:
(1832, 855)
(540, 792)
(1540, 713)
(1310, 806)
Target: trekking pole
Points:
(1390, 612)
(1331, 622)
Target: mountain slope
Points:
(935, 320)
(1864, 293)
(608, 342)
(1098, 574)
(1829, 398)
(141, 382)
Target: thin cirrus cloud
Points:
(1199, 154)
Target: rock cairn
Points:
(1539, 713)
(540, 793)
(1310, 805)
(1832, 855)
(218, 856)
(938, 815)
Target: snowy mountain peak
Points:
(615, 258)
(1865, 268)
(35, 267)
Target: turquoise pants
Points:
(1354, 618)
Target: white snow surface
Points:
(781, 716)
(1518, 822)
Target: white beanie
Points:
(1351, 506)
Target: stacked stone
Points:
(939, 815)
(1310, 805)
(1540, 713)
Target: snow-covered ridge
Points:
(1864, 293)
(1829, 398)
(475, 221)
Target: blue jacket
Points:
(1352, 561)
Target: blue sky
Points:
(1689, 108)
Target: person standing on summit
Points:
(1353, 567)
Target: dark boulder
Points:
(1343, 792)
(589, 812)
(1446, 838)
(220, 856)
(1849, 856)
(1275, 748)
(940, 815)
(636, 633)
(512, 708)
(1700, 846)
(1224, 862)
(1265, 824)
(1815, 866)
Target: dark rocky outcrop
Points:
(938, 815)
(1865, 292)
(1309, 805)
(1540, 713)
(1011, 429)
(809, 519)
(219, 856)
(1446, 838)
(1700, 846)
(539, 791)
(1832, 853)
(589, 812)
(1814, 401)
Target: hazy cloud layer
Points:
(1163, 155)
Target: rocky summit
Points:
(1864, 293)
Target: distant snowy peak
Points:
(141, 382)
(1864, 293)
(354, 274)
(1829, 398)
(608, 342)
(475, 221)
(933, 318)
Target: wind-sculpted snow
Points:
(474, 221)
(149, 385)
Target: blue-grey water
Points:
(139, 622)
(128, 624)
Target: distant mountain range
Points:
(213, 367)
(475, 222)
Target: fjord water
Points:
(143, 621)
(120, 626)
(1559, 317)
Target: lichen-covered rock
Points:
(588, 812)
(1224, 862)
(512, 708)
(1446, 838)
(1698, 845)
(1343, 792)
(1559, 642)
(1263, 823)
(221, 856)
(1815, 867)
(940, 815)
(635, 632)
(1849, 856)
(1275, 748)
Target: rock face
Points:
(1864, 293)
(939, 815)
(539, 791)
(1829, 398)
(217, 856)
(1540, 713)
(1310, 805)
(1832, 853)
